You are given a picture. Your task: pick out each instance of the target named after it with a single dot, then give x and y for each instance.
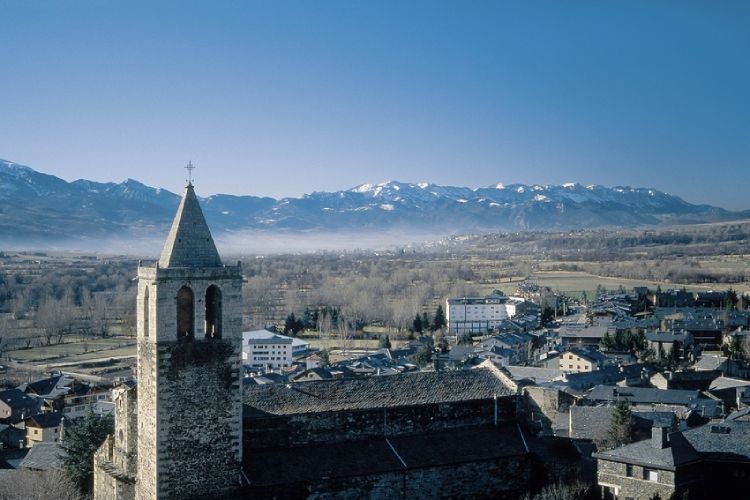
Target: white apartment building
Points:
(478, 315)
(269, 350)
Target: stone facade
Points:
(632, 481)
(115, 461)
(336, 426)
(543, 407)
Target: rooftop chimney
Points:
(659, 437)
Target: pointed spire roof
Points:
(189, 243)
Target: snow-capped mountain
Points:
(40, 207)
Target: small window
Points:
(650, 475)
(629, 470)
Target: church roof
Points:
(189, 243)
(373, 392)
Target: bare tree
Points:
(54, 317)
(37, 485)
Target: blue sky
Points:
(280, 98)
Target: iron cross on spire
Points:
(190, 169)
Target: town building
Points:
(16, 406)
(710, 461)
(44, 428)
(581, 360)
(477, 315)
(266, 350)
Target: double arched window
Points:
(186, 313)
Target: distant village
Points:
(641, 393)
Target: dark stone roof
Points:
(648, 419)
(15, 398)
(375, 392)
(590, 422)
(46, 420)
(189, 243)
(43, 386)
(43, 456)
(728, 440)
(593, 422)
(724, 441)
(743, 414)
(643, 395)
(276, 466)
(667, 337)
(678, 452)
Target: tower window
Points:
(185, 314)
(213, 312)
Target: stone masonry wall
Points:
(337, 426)
(503, 478)
(189, 399)
(614, 474)
(110, 482)
(198, 420)
(542, 406)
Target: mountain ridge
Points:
(41, 207)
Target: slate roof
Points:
(15, 398)
(728, 440)
(679, 451)
(667, 337)
(44, 386)
(537, 375)
(590, 422)
(576, 331)
(189, 243)
(649, 419)
(375, 392)
(46, 420)
(720, 383)
(643, 395)
(743, 414)
(709, 362)
(42, 456)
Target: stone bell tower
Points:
(189, 345)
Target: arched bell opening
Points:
(213, 312)
(185, 314)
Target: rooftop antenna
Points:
(190, 167)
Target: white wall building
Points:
(269, 350)
(481, 314)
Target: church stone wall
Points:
(190, 424)
(195, 432)
(455, 481)
(115, 460)
(163, 285)
(338, 426)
